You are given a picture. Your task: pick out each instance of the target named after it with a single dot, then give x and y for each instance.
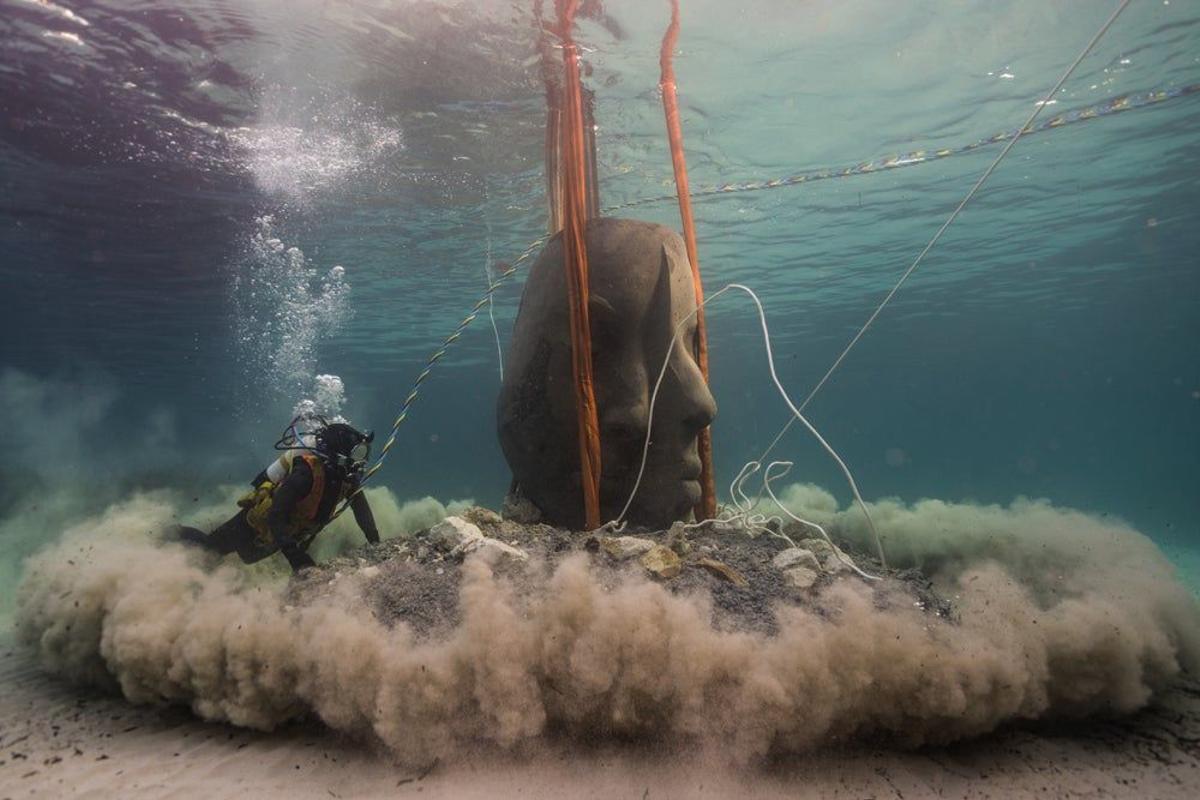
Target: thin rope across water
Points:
(433, 359)
(1109, 107)
(945, 225)
(490, 275)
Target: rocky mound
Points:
(416, 580)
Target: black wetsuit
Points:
(238, 536)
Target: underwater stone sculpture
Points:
(641, 288)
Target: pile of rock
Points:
(416, 579)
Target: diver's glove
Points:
(298, 558)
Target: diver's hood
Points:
(338, 444)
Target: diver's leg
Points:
(224, 540)
(188, 535)
(235, 535)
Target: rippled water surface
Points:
(205, 205)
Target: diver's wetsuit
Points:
(237, 535)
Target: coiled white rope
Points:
(762, 318)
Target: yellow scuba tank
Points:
(258, 505)
(259, 500)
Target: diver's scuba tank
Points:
(300, 436)
(342, 450)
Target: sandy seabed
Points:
(57, 741)
(1063, 665)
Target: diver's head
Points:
(344, 448)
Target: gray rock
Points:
(721, 526)
(797, 557)
(452, 532)
(800, 577)
(481, 516)
(490, 549)
(828, 556)
(677, 539)
(662, 562)
(623, 548)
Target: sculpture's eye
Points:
(603, 342)
(625, 432)
(605, 327)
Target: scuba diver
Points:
(295, 497)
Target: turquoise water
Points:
(160, 160)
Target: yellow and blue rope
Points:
(459, 330)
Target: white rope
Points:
(838, 554)
(487, 270)
(1037, 109)
(762, 318)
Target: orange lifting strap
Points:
(574, 193)
(552, 81)
(708, 493)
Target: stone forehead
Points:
(631, 246)
(626, 268)
(617, 249)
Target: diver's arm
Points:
(294, 488)
(364, 517)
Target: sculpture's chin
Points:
(689, 494)
(666, 508)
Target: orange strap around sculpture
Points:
(574, 192)
(708, 497)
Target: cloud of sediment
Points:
(1058, 613)
(60, 438)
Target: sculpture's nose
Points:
(699, 406)
(705, 410)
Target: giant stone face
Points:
(641, 287)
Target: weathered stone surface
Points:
(481, 516)
(639, 273)
(452, 532)
(719, 526)
(796, 557)
(800, 577)
(662, 562)
(677, 539)
(490, 549)
(623, 548)
(723, 571)
(519, 509)
(409, 585)
(825, 553)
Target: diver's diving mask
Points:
(361, 452)
(356, 461)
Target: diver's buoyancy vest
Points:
(311, 513)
